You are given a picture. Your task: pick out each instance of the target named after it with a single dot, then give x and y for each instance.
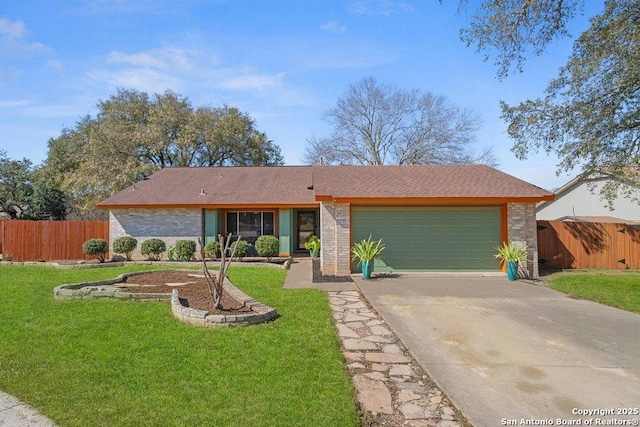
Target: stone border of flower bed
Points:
(260, 313)
(246, 262)
(107, 289)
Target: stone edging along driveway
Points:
(392, 389)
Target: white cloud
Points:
(334, 27)
(11, 29)
(7, 103)
(138, 59)
(379, 7)
(249, 81)
(55, 64)
(13, 43)
(156, 58)
(173, 68)
(144, 79)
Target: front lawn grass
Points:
(121, 363)
(617, 290)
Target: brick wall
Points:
(169, 225)
(335, 223)
(521, 222)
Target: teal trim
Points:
(285, 228)
(211, 225)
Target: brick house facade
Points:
(292, 202)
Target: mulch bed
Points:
(195, 293)
(318, 277)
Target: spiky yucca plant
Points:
(367, 250)
(509, 251)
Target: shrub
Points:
(96, 247)
(153, 248)
(242, 248)
(212, 249)
(268, 246)
(125, 245)
(312, 244)
(185, 249)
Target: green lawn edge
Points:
(615, 289)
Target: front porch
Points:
(292, 226)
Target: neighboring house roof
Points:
(303, 185)
(581, 198)
(600, 219)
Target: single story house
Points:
(579, 200)
(430, 217)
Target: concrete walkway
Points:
(511, 351)
(14, 413)
(300, 276)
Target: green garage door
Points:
(432, 239)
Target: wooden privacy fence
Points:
(48, 240)
(563, 245)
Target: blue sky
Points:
(282, 62)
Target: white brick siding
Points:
(169, 225)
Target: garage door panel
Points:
(418, 247)
(417, 229)
(432, 239)
(436, 230)
(454, 230)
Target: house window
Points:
(250, 225)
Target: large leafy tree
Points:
(376, 123)
(509, 30)
(14, 185)
(590, 114)
(24, 196)
(134, 134)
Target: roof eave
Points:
(205, 205)
(432, 200)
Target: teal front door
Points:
(306, 225)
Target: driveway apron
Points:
(507, 352)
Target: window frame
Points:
(262, 222)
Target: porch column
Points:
(335, 229)
(211, 226)
(285, 231)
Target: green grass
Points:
(121, 363)
(617, 290)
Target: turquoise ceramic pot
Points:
(367, 268)
(512, 270)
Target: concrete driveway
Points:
(505, 351)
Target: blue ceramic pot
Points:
(367, 268)
(512, 270)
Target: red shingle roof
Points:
(303, 185)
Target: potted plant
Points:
(366, 251)
(512, 254)
(313, 245)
